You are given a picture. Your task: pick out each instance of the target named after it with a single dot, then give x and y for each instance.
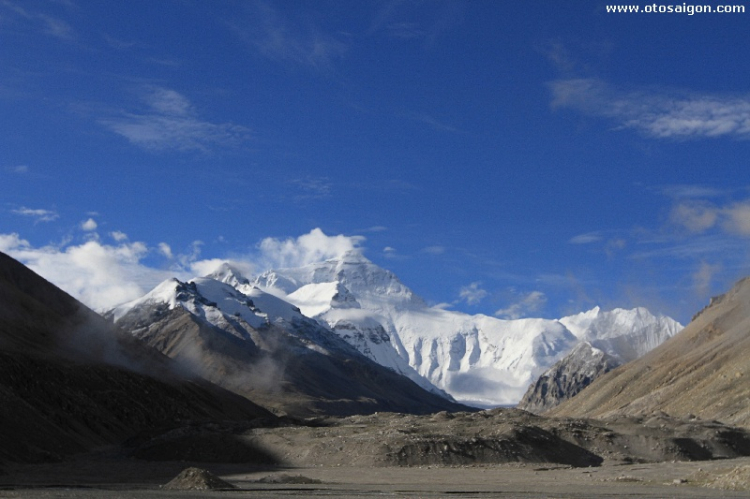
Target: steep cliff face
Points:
(567, 378)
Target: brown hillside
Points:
(704, 371)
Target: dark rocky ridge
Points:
(69, 381)
(567, 378)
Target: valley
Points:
(118, 406)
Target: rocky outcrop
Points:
(567, 378)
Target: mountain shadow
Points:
(70, 381)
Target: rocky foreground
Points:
(498, 453)
(498, 436)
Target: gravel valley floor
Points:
(100, 476)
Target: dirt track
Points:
(137, 479)
(112, 479)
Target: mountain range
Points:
(72, 381)
(476, 360)
(265, 349)
(479, 360)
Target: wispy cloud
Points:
(432, 122)
(527, 304)
(693, 248)
(392, 253)
(284, 39)
(17, 169)
(681, 191)
(587, 238)
(40, 215)
(472, 294)
(699, 216)
(434, 250)
(375, 228)
(312, 187)
(655, 112)
(171, 122)
(39, 21)
(414, 20)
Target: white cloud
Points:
(165, 250)
(590, 237)
(105, 275)
(99, 275)
(40, 214)
(89, 225)
(472, 294)
(657, 113)
(695, 216)
(172, 123)
(118, 236)
(528, 303)
(700, 216)
(205, 267)
(313, 247)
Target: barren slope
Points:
(70, 382)
(702, 371)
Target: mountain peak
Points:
(351, 257)
(228, 274)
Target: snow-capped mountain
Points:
(479, 360)
(237, 313)
(262, 347)
(624, 334)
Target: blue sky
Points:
(508, 158)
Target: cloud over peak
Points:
(312, 247)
